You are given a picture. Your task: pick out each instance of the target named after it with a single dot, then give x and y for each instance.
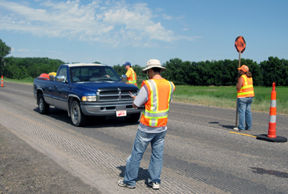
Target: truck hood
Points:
(94, 86)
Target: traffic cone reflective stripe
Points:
(2, 85)
(272, 119)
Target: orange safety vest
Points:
(132, 79)
(247, 89)
(156, 108)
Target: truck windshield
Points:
(93, 73)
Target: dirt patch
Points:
(25, 170)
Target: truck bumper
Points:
(107, 109)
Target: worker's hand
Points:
(134, 106)
(132, 95)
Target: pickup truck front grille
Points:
(115, 94)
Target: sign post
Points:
(240, 45)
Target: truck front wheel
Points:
(77, 117)
(42, 105)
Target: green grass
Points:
(28, 80)
(222, 96)
(226, 97)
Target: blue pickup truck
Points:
(86, 90)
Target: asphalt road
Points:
(202, 154)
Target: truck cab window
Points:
(63, 72)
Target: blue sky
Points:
(113, 32)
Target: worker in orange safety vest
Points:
(131, 75)
(245, 94)
(156, 94)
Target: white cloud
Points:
(23, 50)
(19, 50)
(167, 17)
(113, 23)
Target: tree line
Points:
(203, 73)
(225, 73)
(23, 68)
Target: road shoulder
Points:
(25, 170)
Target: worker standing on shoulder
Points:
(245, 94)
(156, 94)
(131, 75)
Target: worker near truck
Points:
(131, 75)
(156, 94)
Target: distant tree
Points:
(223, 72)
(284, 72)
(29, 67)
(214, 71)
(188, 69)
(138, 70)
(120, 70)
(274, 70)
(4, 51)
(174, 71)
(191, 74)
(227, 73)
(203, 70)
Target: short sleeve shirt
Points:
(128, 73)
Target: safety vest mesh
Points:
(247, 89)
(132, 79)
(160, 92)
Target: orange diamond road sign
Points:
(240, 44)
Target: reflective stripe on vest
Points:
(152, 115)
(247, 90)
(132, 79)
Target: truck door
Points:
(60, 89)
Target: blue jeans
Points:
(133, 161)
(244, 111)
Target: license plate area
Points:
(121, 113)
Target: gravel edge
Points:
(25, 170)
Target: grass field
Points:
(224, 97)
(24, 81)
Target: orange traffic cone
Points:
(2, 85)
(272, 121)
(272, 118)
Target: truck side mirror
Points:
(61, 78)
(123, 77)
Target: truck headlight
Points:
(88, 98)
